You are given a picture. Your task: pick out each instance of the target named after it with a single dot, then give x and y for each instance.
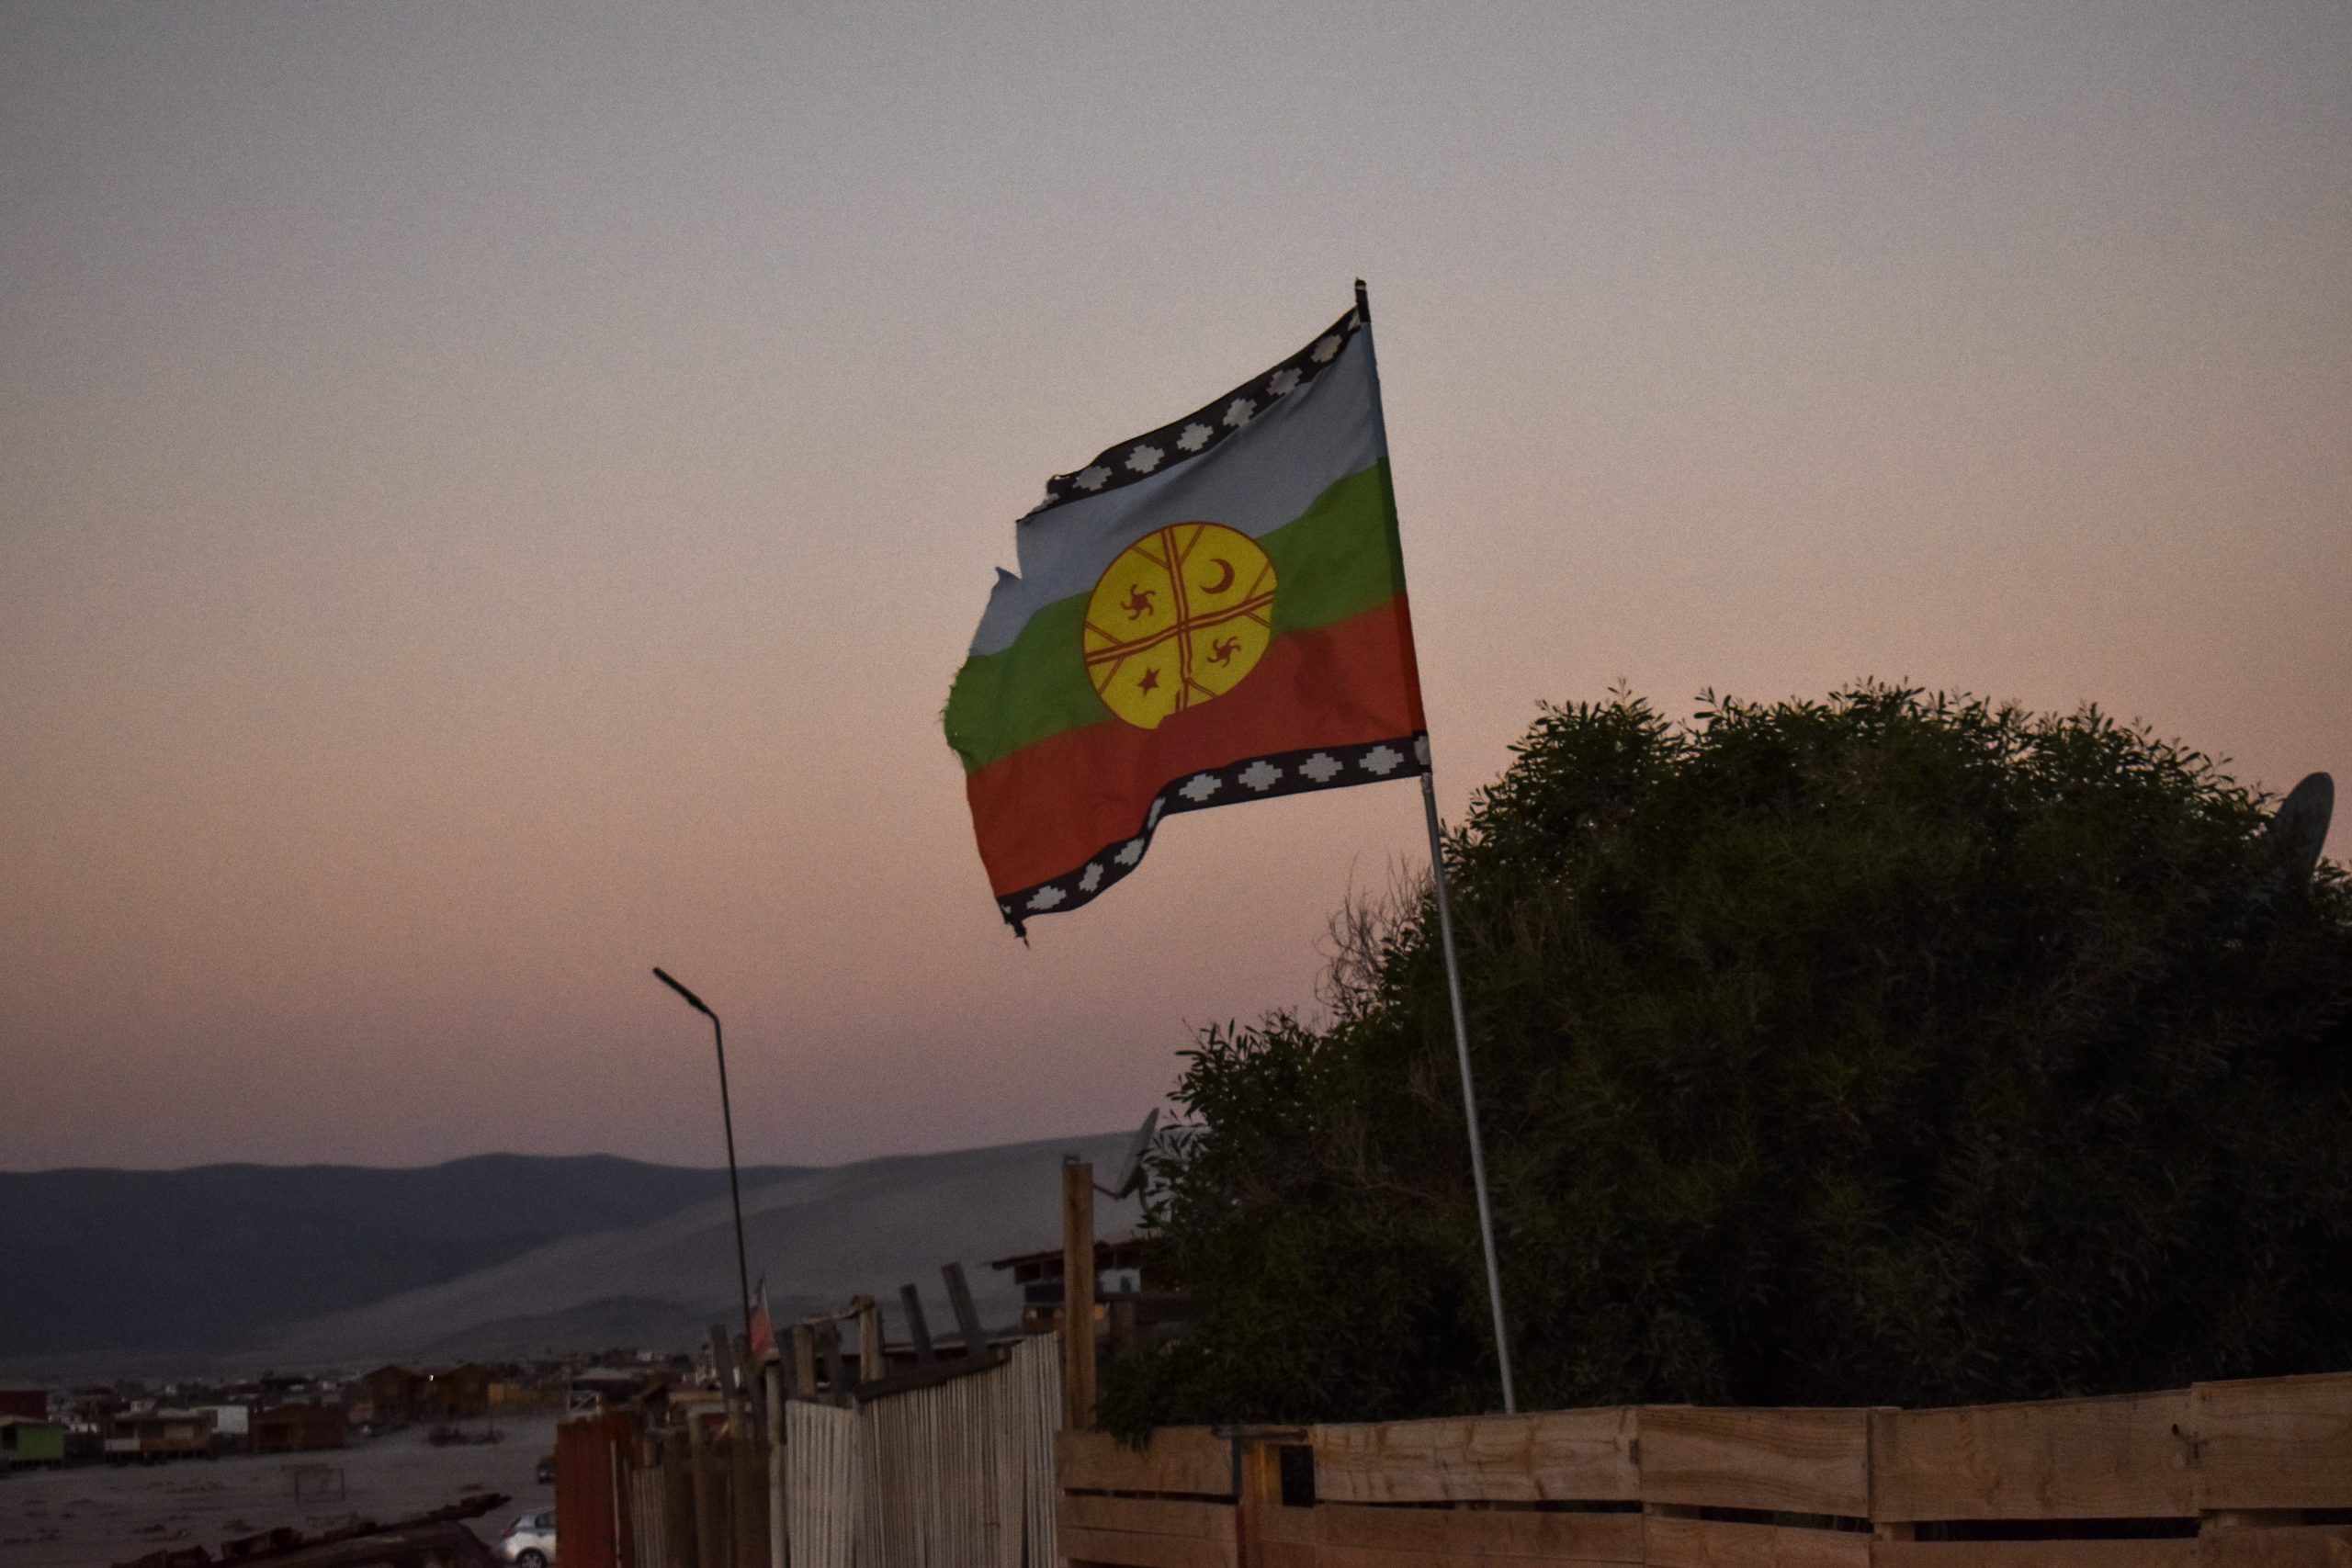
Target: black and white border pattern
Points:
(1253, 778)
(1203, 429)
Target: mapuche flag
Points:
(1210, 613)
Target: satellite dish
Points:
(1131, 1174)
(2300, 825)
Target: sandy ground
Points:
(94, 1516)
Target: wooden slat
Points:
(1297, 1554)
(1179, 1458)
(1484, 1535)
(1706, 1543)
(2308, 1546)
(1561, 1456)
(2274, 1443)
(2067, 1459)
(1287, 1554)
(1148, 1516)
(1807, 1462)
(2181, 1553)
(1127, 1549)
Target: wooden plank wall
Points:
(2254, 1475)
(1170, 1504)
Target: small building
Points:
(22, 1399)
(26, 1441)
(591, 1389)
(300, 1428)
(151, 1436)
(1136, 1300)
(391, 1395)
(461, 1393)
(231, 1427)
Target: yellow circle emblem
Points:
(1177, 620)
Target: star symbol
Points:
(1150, 681)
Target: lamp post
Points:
(726, 1115)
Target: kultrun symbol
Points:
(1199, 605)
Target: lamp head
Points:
(693, 1000)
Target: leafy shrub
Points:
(1894, 1049)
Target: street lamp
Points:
(734, 1187)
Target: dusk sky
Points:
(492, 495)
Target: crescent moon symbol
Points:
(1222, 583)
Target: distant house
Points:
(391, 1395)
(603, 1388)
(231, 1427)
(151, 1437)
(26, 1441)
(461, 1393)
(298, 1428)
(514, 1390)
(1135, 1301)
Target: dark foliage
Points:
(1895, 1049)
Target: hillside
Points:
(817, 1236)
(215, 1256)
(238, 1268)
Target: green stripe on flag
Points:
(1336, 559)
(1339, 558)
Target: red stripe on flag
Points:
(1043, 811)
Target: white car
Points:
(529, 1541)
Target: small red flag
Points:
(762, 1329)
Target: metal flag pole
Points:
(1469, 1092)
(1454, 975)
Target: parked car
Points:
(529, 1541)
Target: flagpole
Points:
(1453, 979)
(1469, 1092)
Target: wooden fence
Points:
(824, 1500)
(958, 1472)
(2255, 1475)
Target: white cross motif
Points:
(1200, 786)
(1238, 412)
(1129, 853)
(1092, 880)
(1283, 381)
(1046, 898)
(1156, 807)
(1421, 750)
(1143, 459)
(1382, 760)
(1094, 478)
(1321, 767)
(1197, 436)
(1325, 349)
(1261, 776)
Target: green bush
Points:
(1894, 1049)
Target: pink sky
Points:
(491, 496)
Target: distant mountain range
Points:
(235, 1267)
